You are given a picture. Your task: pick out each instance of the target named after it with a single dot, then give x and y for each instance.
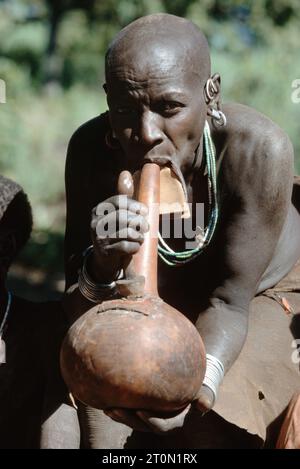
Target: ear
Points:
(212, 90)
(105, 89)
(216, 79)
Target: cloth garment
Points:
(289, 437)
(258, 388)
(31, 375)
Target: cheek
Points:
(122, 126)
(124, 136)
(197, 119)
(188, 127)
(122, 130)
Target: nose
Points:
(150, 132)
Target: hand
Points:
(118, 228)
(204, 401)
(143, 421)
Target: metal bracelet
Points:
(92, 291)
(214, 374)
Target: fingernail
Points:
(144, 210)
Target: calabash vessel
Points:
(135, 351)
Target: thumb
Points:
(125, 184)
(205, 399)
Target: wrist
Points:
(214, 375)
(98, 272)
(95, 291)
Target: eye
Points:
(122, 110)
(125, 110)
(170, 108)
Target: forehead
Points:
(156, 68)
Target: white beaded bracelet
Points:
(214, 374)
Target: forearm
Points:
(60, 428)
(223, 329)
(75, 304)
(87, 289)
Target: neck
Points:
(199, 154)
(197, 169)
(196, 186)
(196, 162)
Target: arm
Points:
(78, 207)
(84, 188)
(114, 226)
(260, 185)
(89, 179)
(77, 234)
(59, 425)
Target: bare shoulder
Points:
(87, 137)
(90, 129)
(85, 148)
(257, 153)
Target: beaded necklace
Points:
(173, 258)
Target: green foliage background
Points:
(51, 57)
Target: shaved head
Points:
(156, 70)
(160, 40)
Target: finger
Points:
(123, 247)
(205, 399)
(111, 204)
(118, 220)
(117, 245)
(139, 223)
(125, 183)
(120, 202)
(129, 418)
(106, 225)
(135, 207)
(127, 219)
(104, 208)
(128, 234)
(166, 424)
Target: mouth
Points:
(173, 195)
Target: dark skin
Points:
(157, 107)
(35, 411)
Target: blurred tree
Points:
(178, 7)
(254, 45)
(282, 11)
(57, 8)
